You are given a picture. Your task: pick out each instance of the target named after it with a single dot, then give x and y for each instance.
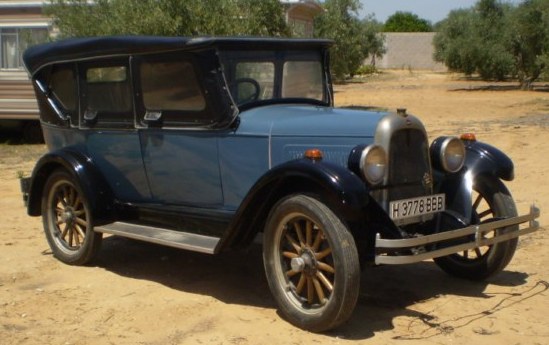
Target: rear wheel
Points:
(311, 264)
(491, 201)
(67, 219)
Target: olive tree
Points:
(472, 41)
(529, 40)
(373, 40)
(496, 40)
(406, 22)
(354, 39)
(80, 18)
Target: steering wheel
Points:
(253, 96)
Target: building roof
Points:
(313, 2)
(310, 5)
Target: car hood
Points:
(309, 121)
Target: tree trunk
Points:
(526, 84)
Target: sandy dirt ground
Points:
(137, 293)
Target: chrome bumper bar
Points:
(416, 244)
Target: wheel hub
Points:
(305, 263)
(67, 216)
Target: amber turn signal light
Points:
(468, 137)
(314, 154)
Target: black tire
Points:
(67, 220)
(322, 290)
(491, 200)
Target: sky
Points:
(432, 10)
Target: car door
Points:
(107, 122)
(180, 151)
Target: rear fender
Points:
(93, 184)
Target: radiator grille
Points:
(408, 165)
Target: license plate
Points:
(408, 208)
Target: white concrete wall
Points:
(409, 50)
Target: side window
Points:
(254, 81)
(171, 86)
(302, 79)
(64, 89)
(171, 92)
(57, 94)
(107, 95)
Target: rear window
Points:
(106, 75)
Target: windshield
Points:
(267, 76)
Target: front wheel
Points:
(491, 201)
(311, 263)
(68, 221)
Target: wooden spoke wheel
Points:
(311, 264)
(307, 256)
(67, 220)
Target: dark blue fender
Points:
(344, 192)
(481, 159)
(93, 184)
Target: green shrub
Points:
(366, 70)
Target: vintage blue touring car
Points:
(204, 143)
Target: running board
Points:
(170, 238)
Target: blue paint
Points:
(182, 167)
(117, 154)
(270, 136)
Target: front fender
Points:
(92, 183)
(480, 159)
(484, 159)
(339, 188)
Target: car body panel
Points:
(280, 133)
(243, 159)
(182, 167)
(118, 155)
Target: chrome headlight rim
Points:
(452, 162)
(370, 166)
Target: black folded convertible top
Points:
(92, 47)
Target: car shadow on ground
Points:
(17, 136)
(387, 292)
(390, 292)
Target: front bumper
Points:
(411, 250)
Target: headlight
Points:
(452, 154)
(373, 164)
